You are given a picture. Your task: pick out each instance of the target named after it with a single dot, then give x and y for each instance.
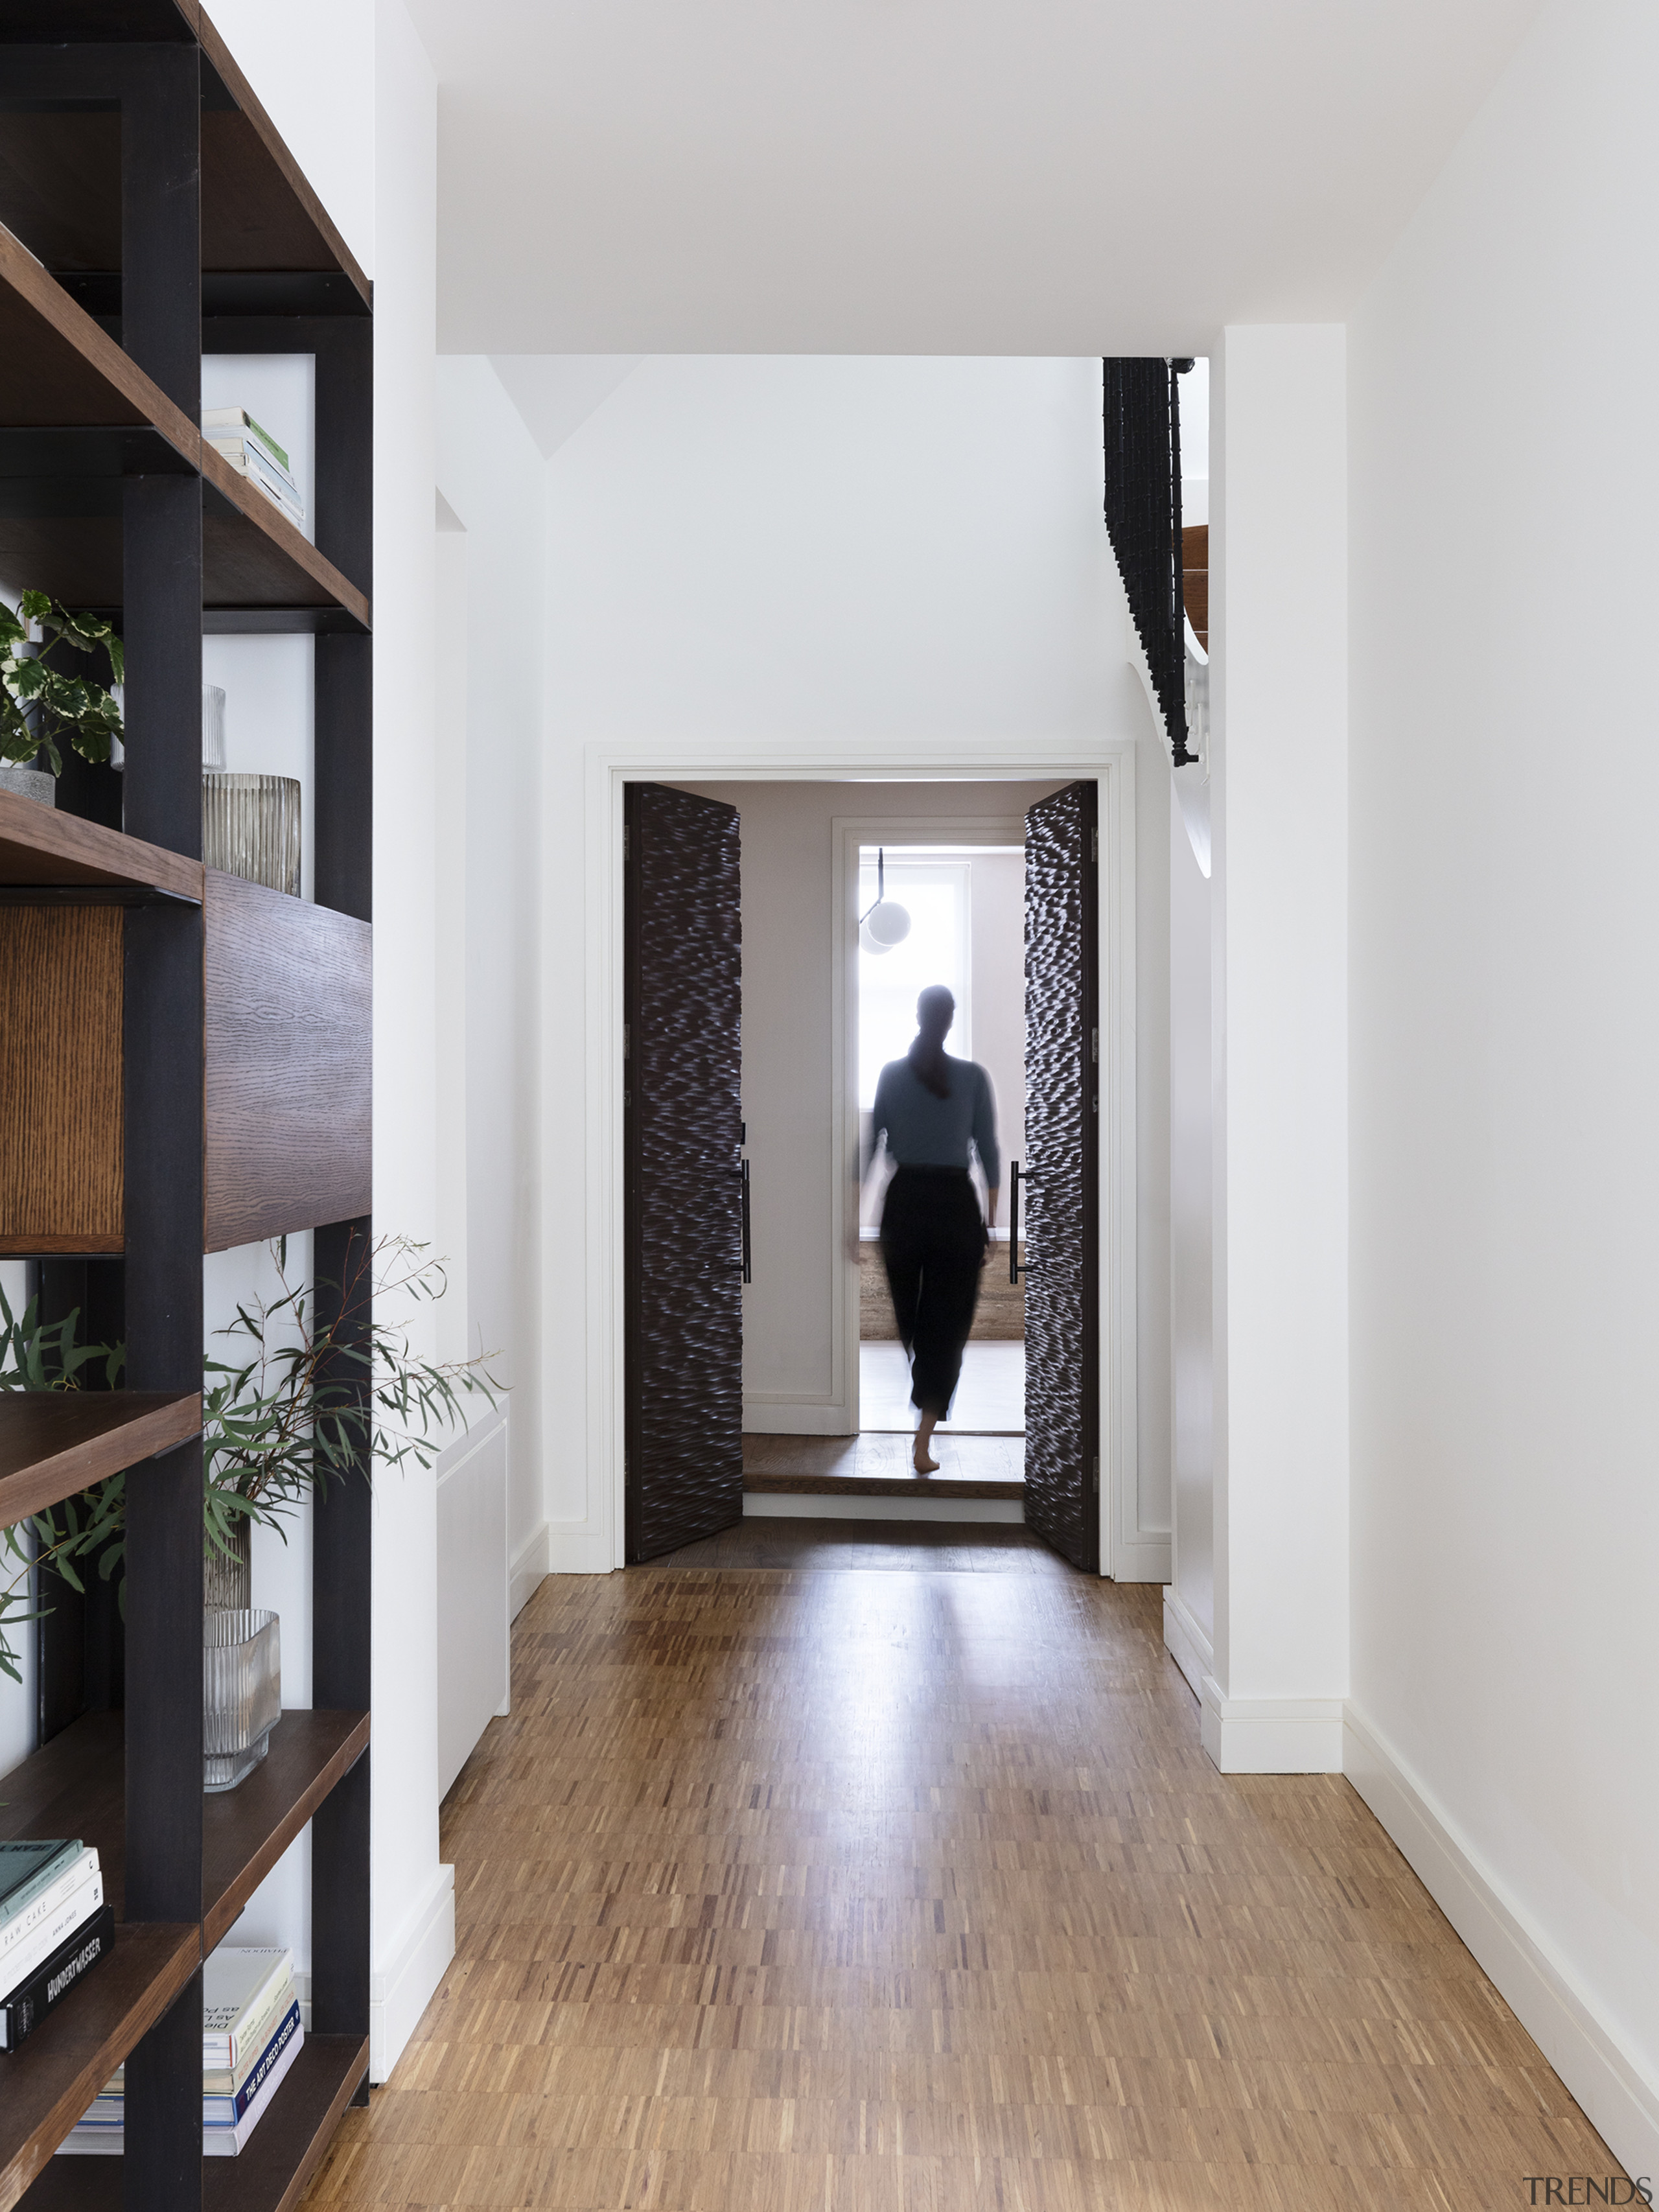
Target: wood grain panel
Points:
(54, 1443)
(288, 1005)
(60, 1080)
(47, 2085)
(39, 845)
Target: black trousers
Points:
(932, 1241)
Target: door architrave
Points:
(595, 1544)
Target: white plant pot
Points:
(34, 783)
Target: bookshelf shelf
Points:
(79, 418)
(272, 2174)
(73, 1787)
(54, 1442)
(41, 848)
(47, 2086)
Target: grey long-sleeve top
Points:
(925, 1132)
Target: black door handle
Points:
(748, 1256)
(1013, 1221)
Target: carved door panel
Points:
(684, 1222)
(1061, 1175)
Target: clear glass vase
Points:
(250, 828)
(241, 1692)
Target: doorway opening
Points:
(737, 979)
(961, 908)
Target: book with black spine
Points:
(52, 1981)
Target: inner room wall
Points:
(750, 557)
(790, 946)
(1504, 939)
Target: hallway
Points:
(801, 1885)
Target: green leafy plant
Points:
(41, 701)
(37, 1355)
(320, 1389)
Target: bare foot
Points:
(921, 1463)
(920, 1457)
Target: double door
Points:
(684, 1192)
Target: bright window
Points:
(934, 894)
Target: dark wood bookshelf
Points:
(271, 2175)
(153, 213)
(54, 1443)
(47, 2085)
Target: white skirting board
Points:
(1620, 2098)
(760, 1505)
(402, 1985)
(1271, 1736)
(530, 1565)
(474, 1616)
(1186, 1641)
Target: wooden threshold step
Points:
(879, 1485)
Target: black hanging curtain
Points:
(1143, 515)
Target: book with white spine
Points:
(217, 2141)
(42, 1901)
(73, 1911)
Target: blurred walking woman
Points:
(933, 1110)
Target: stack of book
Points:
(54, 1928)
(255, 454)
(251, 2035)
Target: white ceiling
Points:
(931, 176)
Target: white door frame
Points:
(596, 1542)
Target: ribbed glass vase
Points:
(250, 828)
(242, 1693)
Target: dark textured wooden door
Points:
(1062, 1174)
(682, 1078)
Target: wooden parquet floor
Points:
(809, 1886)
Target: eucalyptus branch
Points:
(315, 1396)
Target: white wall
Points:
(751, 555)
(1189, 1606)
(790, 944)
(1505, 1060)
(1279, 887)
(490, 473)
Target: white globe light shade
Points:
(888, 924)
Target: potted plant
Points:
(311, 1400)
(42, 699)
